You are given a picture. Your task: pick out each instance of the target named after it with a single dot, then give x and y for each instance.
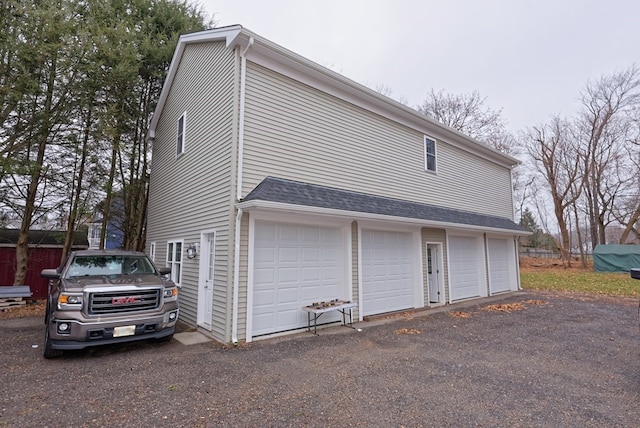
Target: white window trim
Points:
(172, 263)
(152, 251)
(426, 154)
(182, 136)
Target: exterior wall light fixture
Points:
(192, 251)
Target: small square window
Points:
(429, 154)
(181, 134)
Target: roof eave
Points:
(231, 35)
(358, 215)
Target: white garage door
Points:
(294, 265)
(500, 278)
(387, 272)
(463, 265)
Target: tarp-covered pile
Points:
(616, 258)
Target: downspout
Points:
(236, 281)
(236, 255)
(243, 79)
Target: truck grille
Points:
(123, 301)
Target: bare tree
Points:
(469, 114)
(552, 148)
(604, 130)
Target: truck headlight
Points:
(170, 292)
(70, 299)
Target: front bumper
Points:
(82, 333)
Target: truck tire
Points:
(49, 352)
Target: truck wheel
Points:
(49, 352)
(46, 315)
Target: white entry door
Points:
(294, 265)
(436, 291)
(387, 271)
(205, 289)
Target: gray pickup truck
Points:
(99, 297)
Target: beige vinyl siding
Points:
(189, 195)
(243, 278)
(354, 268)
(440, 236)
(296, 132)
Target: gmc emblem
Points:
(125, 300)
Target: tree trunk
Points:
(106, 214)
(75, 200)
(22, 247)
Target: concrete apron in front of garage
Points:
(374, 320)
(195, 337)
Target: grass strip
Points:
(612, 284)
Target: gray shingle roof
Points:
(274, 189)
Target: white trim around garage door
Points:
(385, 230)
(466, 265)
(287, 222)
(502, 264)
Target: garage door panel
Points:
(308, 268)
(288, 319)
(288, 275)
(463, 264)
(263, 276)
(288, 254)
(387, 283)
(331, 255)
(309, 255)
(287, 234)
(500, 278)
(287, 295)
(264, 298)
(266, 255)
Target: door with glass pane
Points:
(207, 270)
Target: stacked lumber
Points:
(14, 301)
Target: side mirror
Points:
(50, 274)
(164, 271)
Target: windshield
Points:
(109, 265)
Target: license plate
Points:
(125, 330)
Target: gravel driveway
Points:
(554, 360)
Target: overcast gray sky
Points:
(528, 58)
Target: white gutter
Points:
(236, 253)
(306, 209)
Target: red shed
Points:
(45, 251)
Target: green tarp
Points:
(616, 258)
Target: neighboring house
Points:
(291, 184)
(45, 252)
(113, 238)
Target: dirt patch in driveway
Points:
(570, 362)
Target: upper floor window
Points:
(174, 260)
(182, 122)
(429, 154)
